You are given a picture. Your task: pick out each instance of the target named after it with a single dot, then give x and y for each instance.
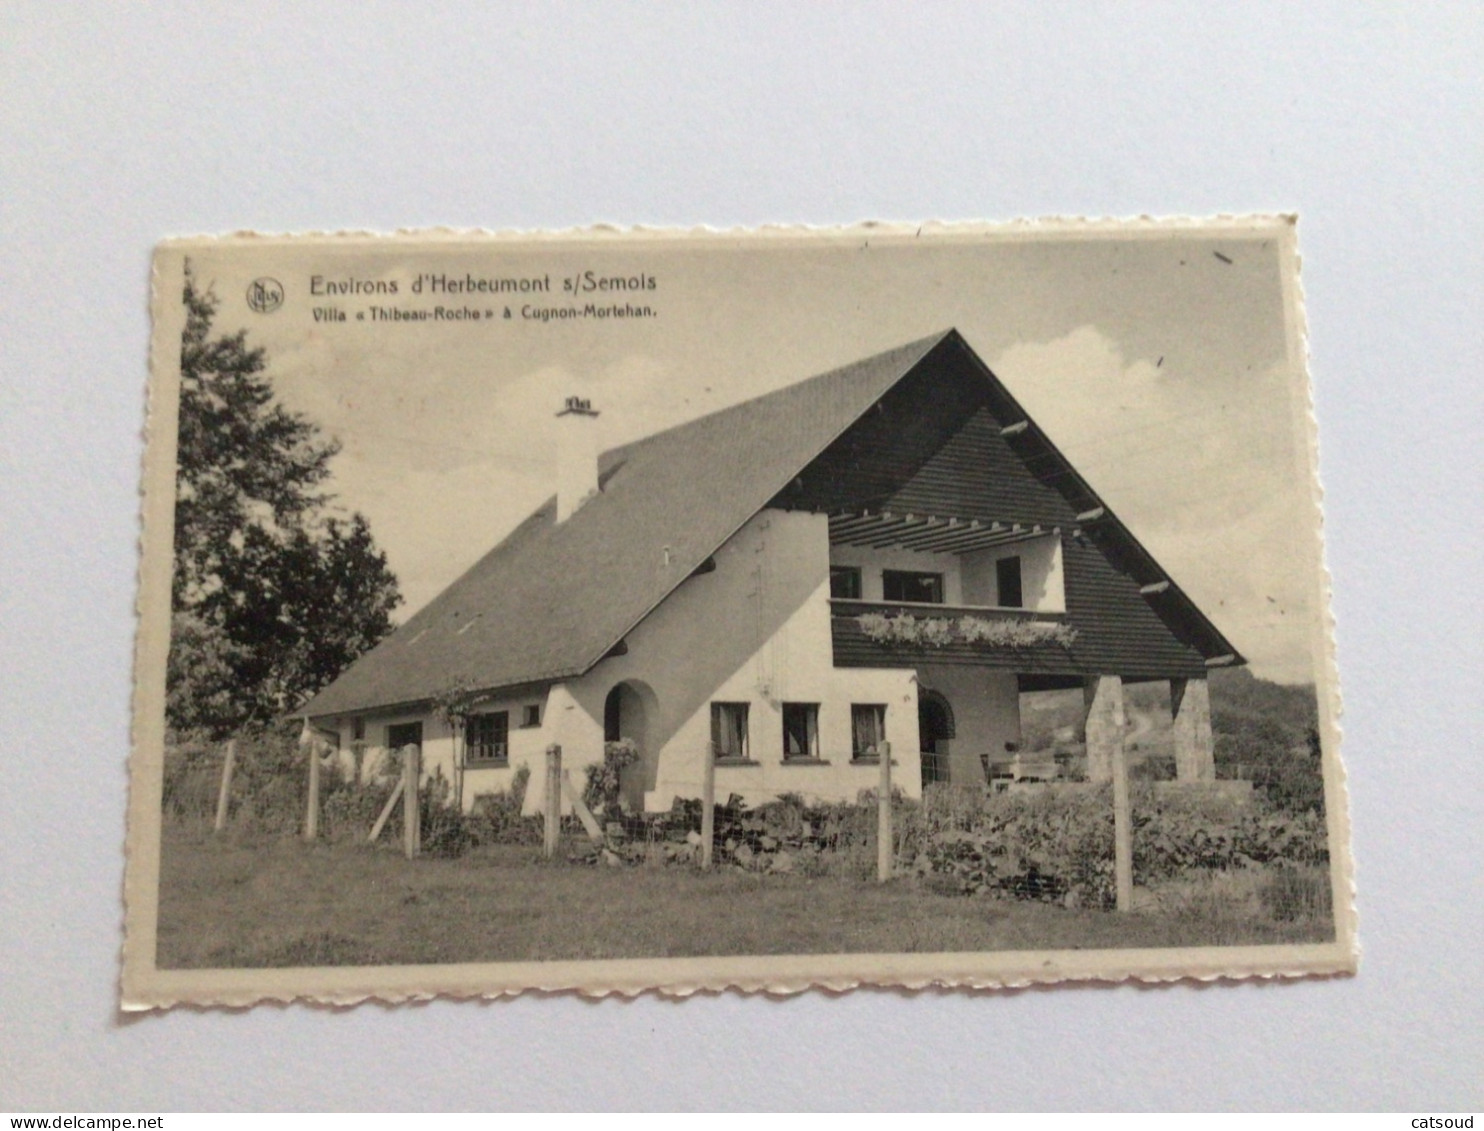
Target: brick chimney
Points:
(577, 456)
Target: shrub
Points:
(349, 814)
(1058, 844)
(1293, 782)
(192, 776)
(1051, 844)
(269, 779)
(495, 817)
(786, 834)
(605, 778)
(1054, 844)
(1153, 768)
(445, 828)
(1178, 831)
(270, 790)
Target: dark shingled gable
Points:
(551, 600)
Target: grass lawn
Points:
(265, 902)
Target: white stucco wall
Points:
(527, 747)
(437, 748)
(872, 561)
(968, 579)
(1041, 581)
(754, 630)
(442, 751)
(986, 715)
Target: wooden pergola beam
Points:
(844, 524)
(934, 530)
(929, 533)
(944, 537)
(988, 541)
(887, 535)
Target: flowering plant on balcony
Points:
(936, 632)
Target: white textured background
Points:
(119, 125)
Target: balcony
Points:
(888, 634)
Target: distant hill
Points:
(1293, 705)
(1268, 733)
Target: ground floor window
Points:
(867, 729)
(530, 715)
(399, 735)
(729, 730)
(488, 737)
(800, 730)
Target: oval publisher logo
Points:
(265, 295)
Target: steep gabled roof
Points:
(552, 600)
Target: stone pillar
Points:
(1195, 752)
(1105, 724)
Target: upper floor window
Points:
(904, 585)
(488, 737)
(1007, 580)
(845, 583)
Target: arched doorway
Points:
(934, 732)
(627, 713)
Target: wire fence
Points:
(1189, 850)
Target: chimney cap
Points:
(578, 406)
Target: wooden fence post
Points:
(1123, 845)
(579, 807)
(708, 806)
(552, 801)
(386, 810)
(883, 815)
(411, 810)
(311, 805)
(224, 794)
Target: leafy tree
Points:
(201, 682)
(271, 597)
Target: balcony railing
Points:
(854, 608)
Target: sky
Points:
(1167, 365)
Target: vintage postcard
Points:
(622, 611)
